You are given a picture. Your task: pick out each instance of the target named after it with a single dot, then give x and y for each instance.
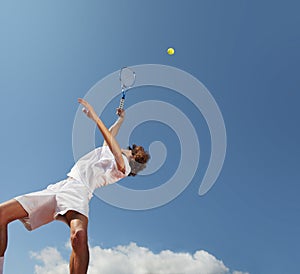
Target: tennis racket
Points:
(127, 80)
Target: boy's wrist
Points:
(96, 119)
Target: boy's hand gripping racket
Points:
(127, 79)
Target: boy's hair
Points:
(139, 160)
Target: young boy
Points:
(68, 200)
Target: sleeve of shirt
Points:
(127, 166)
(113, 175)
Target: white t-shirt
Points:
(98, 168)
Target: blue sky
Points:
(245, 52)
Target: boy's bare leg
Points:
(79, 259)
(9, 211)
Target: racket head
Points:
(127, 78)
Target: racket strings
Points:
(127, 77)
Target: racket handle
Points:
(122, 101)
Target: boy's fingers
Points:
(82, 101)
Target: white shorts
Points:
(52, 203)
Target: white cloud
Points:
(53, 262)
(133, 259)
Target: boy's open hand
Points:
(88, 109)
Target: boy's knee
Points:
(79, 239)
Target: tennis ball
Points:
(170, 51)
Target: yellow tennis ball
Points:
(170, 51)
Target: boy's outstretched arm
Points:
(107, 135)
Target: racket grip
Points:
(122, 101)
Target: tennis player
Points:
(68, 200)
